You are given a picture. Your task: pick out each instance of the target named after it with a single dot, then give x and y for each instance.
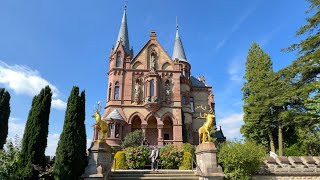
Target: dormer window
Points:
(118, 60)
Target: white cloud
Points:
(52, 144)
(58, 104)
(16, 128)
(231, 125)
(237, 68)
(24, 80)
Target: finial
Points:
(177, 22)
(125, 4)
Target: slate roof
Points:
(178, 50)
(114, 115)
(196, 82)
(123, 34)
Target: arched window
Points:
(109, 92)
(116, 91)
(152, 88)
(118, 60)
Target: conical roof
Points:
(114, 115)
(178, 50)
(123, 33)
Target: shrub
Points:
(133, 139)
(137, 157)
(171, 156)
(186, 162)
(120, 160)
(293, 150)
(186, 147)
(241, 160)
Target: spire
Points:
(123, 32)
(178, 51)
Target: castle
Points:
(154, 92)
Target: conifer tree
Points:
(71, 156)
(34, 141)
(4, 115)
(258, 120)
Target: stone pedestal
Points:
(99, 161)
(206, 155)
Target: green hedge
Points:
(186, 162)
(120, 160)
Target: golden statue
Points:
(204, 130)
(101, 126)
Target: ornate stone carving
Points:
(137, 91)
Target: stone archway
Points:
(135, 123)
(167, 130)
(152, 131)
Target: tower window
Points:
(192, 104)
(116, 91)
(183, 100)
(152, 88)
(118, 60)
(109, 92)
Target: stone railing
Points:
(292, 167)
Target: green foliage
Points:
(137, 157)
(186, 162)
(133, 139)
(71, 158)
(187, 147)
(4, 115)
(213, 133)
(241, 160)
(120, 160)
(293, 150)
(309, 138)
(35, 135)
(171, 156)
(9, 161)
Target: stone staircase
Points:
(162, 174)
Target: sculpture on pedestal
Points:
(204, 130)
(137, 91)
(101, 126)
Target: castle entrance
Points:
(152, 131)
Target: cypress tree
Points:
(34, 141)
(71, 158)
(257, 95)
(4, 115)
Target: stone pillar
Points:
(99, 161)
(120, 131)
(143, 128)
(206, 155)
(177, 134)
(160, 135)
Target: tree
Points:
(71, 158)
(133, 139)
(257, 95)
(34, 141)
(241, 160)
(4, 115)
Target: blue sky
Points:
(66, 43)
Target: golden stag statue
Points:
(204, 130)
(101, 126)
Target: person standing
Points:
(154, 158)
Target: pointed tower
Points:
(179, 56)
(123, 36)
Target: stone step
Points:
(153, 175)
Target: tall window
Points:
(192, 104)
(109, 92)
(183, 100)
(116, 91)
(152, 88)
(118, 61)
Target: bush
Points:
(186, 147)
(241, 160)
(120, 161)
(186, 162)
(137, 157)
(171, 156)
(293, 150)
(133, 139)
